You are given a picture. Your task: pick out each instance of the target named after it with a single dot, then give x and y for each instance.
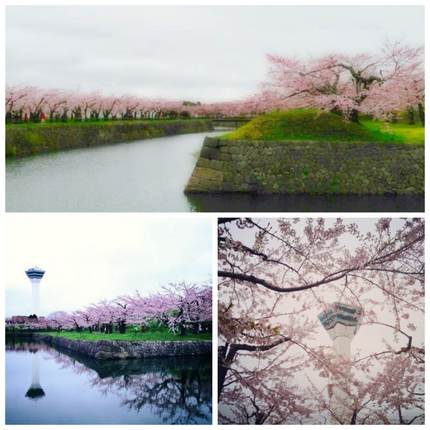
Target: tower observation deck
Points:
(35, 274)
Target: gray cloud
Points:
(192, 52)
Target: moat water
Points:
(45, 385)
(150, 176)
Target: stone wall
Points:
(308, 167)
(23, 140)
(110, 350)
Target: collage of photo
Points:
(214, 214)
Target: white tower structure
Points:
(35, 274)
(341, 322)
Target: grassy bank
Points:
(28, 139)
(310, 124)
(158, 335)
(406, 133)
(89, 122)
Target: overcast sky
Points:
(367, 335)
(186, 52)
(92, 257)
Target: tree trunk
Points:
(353, 115)
(227, 353)
(421, 113)
(411, 116)
(260, 418)
(224, 361)
(336, 110)
(122, 327)
(182, 330)
(354, 417)
(394, 118)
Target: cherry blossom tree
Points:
(179, 306)
(276, 363)
(108, 104)
(15, 97)
(56, 102)
(192, 305)
(347, 83)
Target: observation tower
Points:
(35, 274)
(341, 322)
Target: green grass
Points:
(311, 124)
(155, 335)
(411, 134)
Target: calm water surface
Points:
(48, 386)
(150, 176)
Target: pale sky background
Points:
(367, 337)
(90, 257)
(205, 53)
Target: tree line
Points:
(181, 307)
(381, 85)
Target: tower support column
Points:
(35, 297)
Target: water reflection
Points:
(35, 391)
(174, 390)
(243, 202)
(142, 176)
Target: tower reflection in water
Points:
(35, 392)
(170, 390)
